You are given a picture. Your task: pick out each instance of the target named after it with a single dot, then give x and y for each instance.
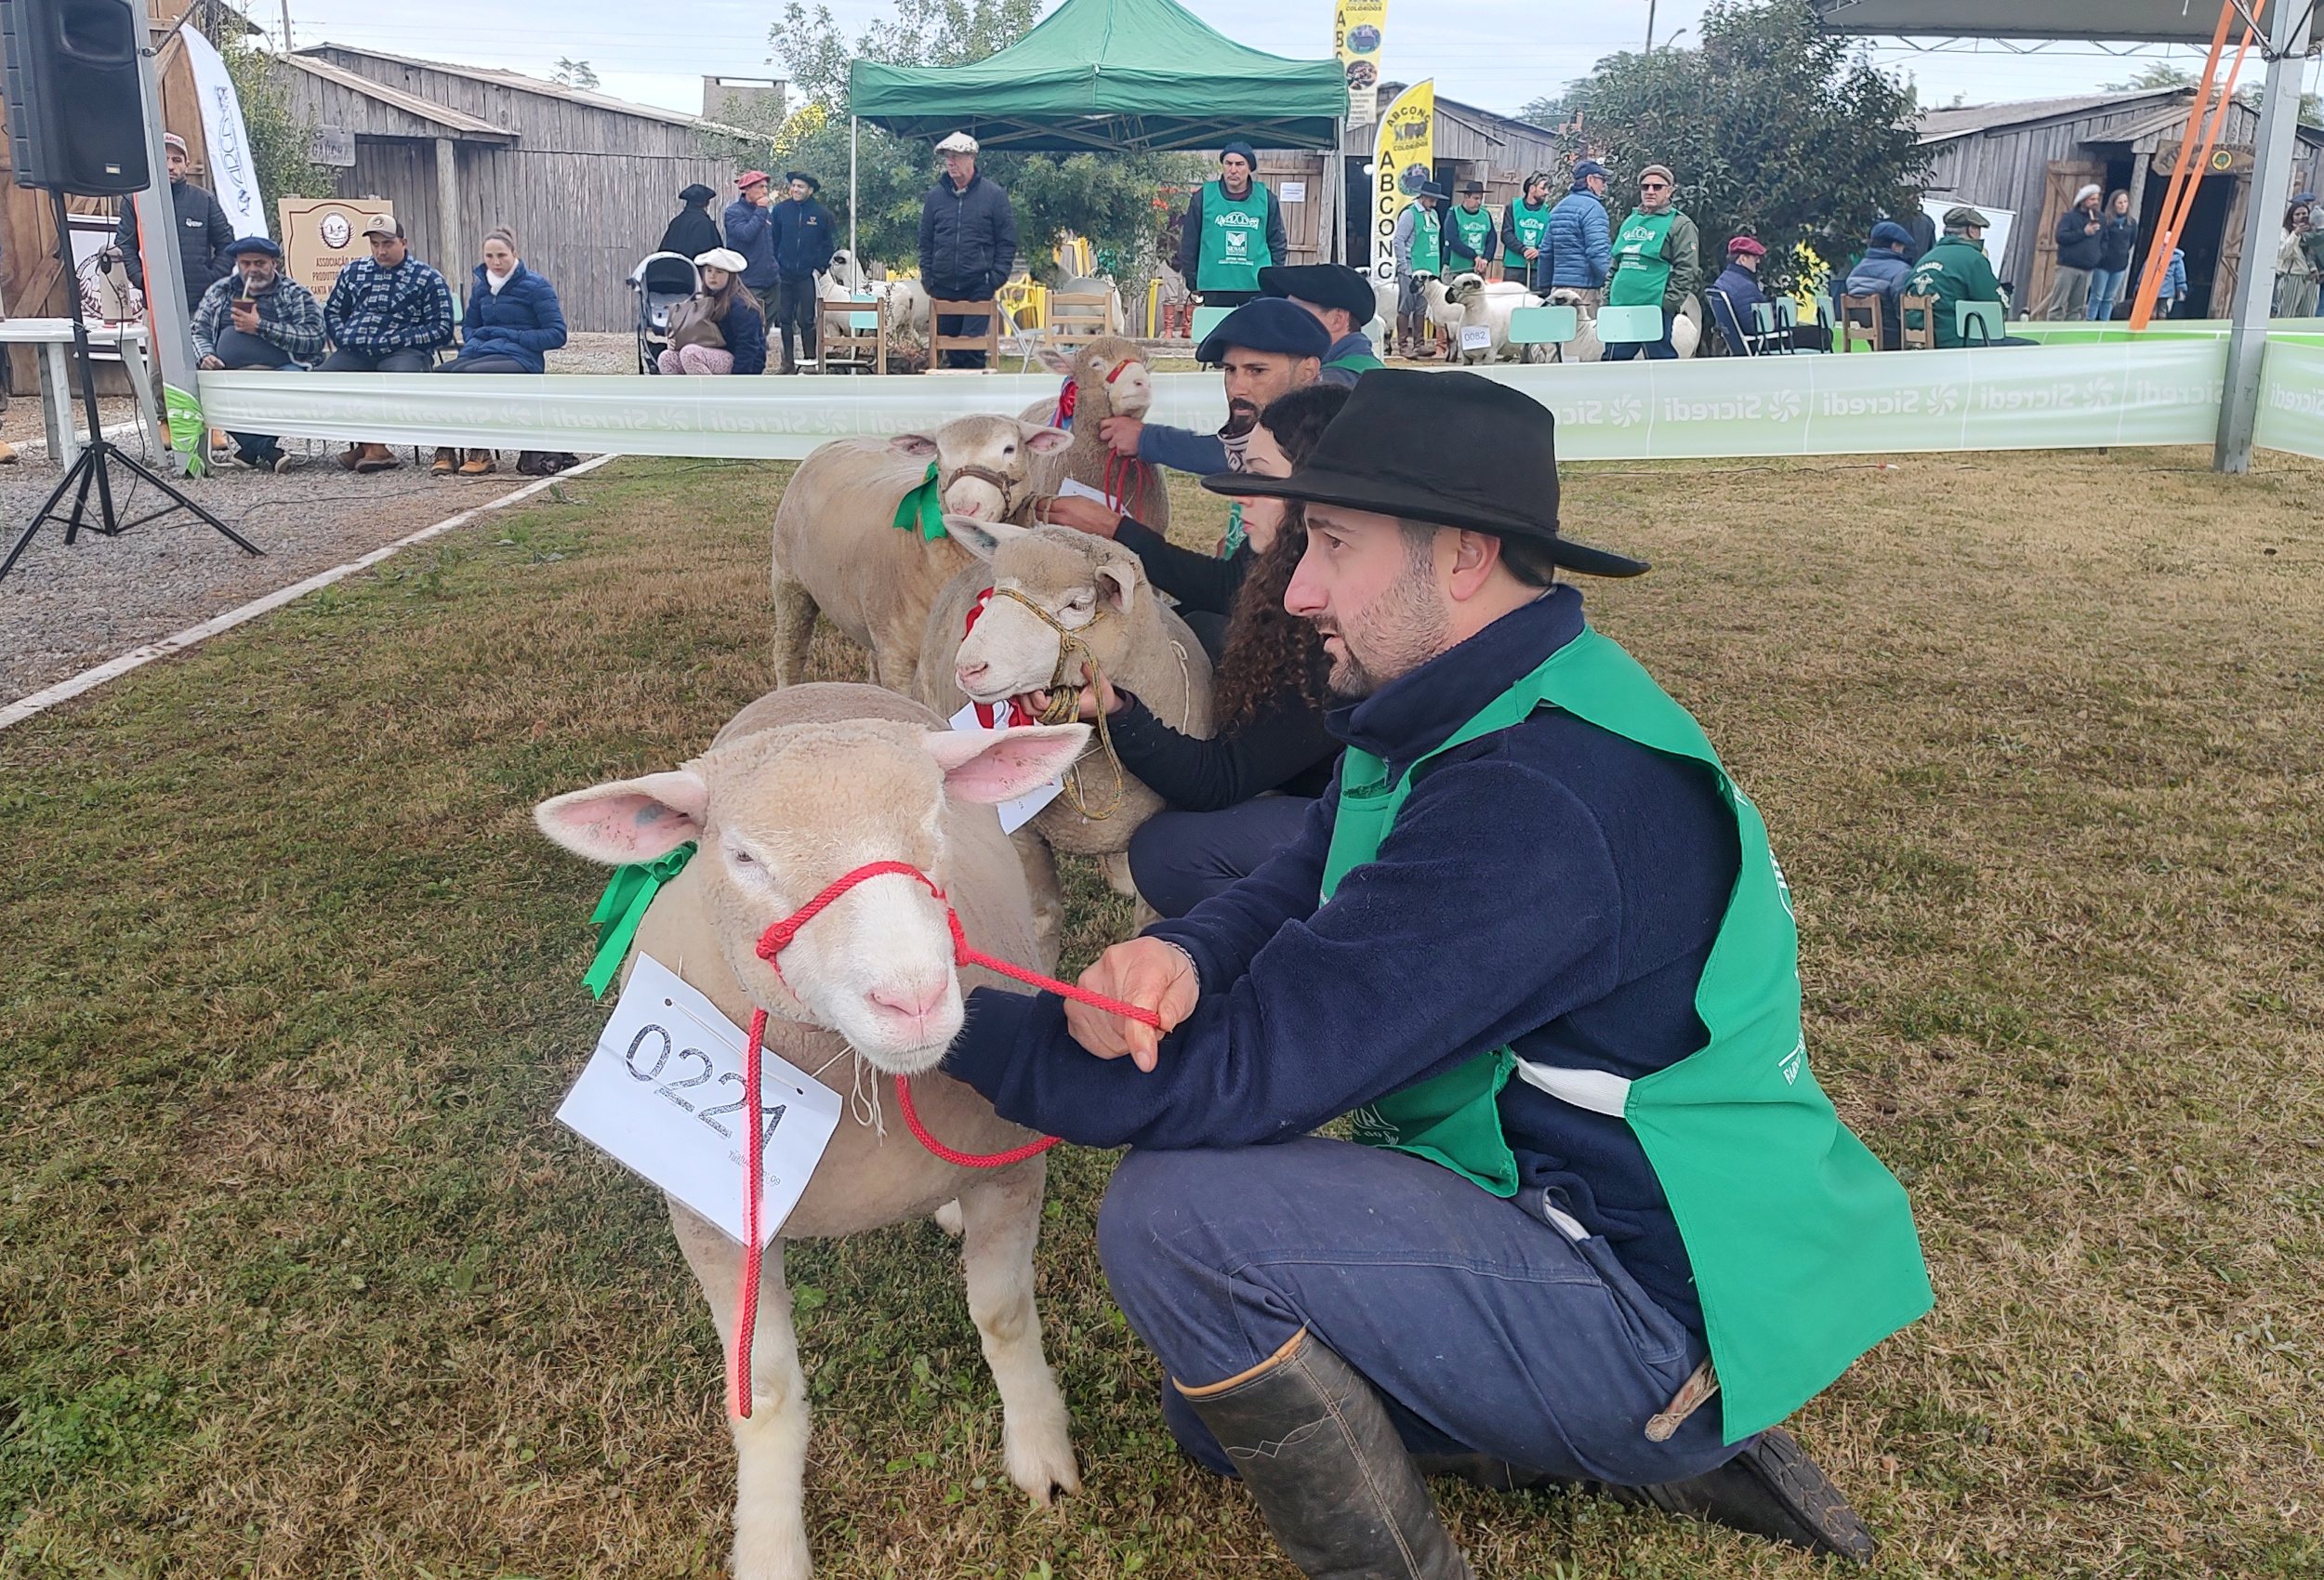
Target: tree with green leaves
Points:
(2162, 74)
(1115, 200)
(1774, 127)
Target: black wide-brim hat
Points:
(1454, 449)
(813, 185)
(1326, 284)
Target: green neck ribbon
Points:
(924, 505)
(622, 907)
(1235, 536)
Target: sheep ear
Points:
(919, 446)
(1046, 440)
(979, 536)
(1118, 584)
(1057, 360)
(990, 766)
(629, 820)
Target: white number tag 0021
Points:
(1476, 337)
(663, 1094)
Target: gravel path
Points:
(66, 609)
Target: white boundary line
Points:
(88, 680)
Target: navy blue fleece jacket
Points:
(1552, 886)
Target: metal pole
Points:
(157, 239)
(286, 33)
(2255, 282)
(850, 194)
(1650, 26)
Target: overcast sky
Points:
(1495, 53)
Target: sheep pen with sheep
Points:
(303, 1278)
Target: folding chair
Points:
(1552, 326)
(1924, 338)
(1207, 320)
(1771, 323)
(1075, 318)
(1984, 318)
(1740, 341)
(988, 342)
(1861, 317)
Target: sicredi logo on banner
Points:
(663, 1096)
(320, 235)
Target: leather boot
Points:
(790, 360)
(446, 460)
(1771, 1489)
(1321, 1457)
(378, 458)
(348, 456)
(479, 462)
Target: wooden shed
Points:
(2032, 155)
(1472, 145)
(586, 181)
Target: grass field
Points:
(298, 1275)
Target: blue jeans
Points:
(1179, 859)
(2104, 283)
(1654, 351)
(1484, 1328)
(239, 350)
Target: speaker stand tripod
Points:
(93, 467)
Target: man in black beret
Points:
(1596, 1221)
(1342, 302)
(1266, 348)
(693, 233)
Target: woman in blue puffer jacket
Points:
(512, 319)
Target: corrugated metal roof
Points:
(1940, 125)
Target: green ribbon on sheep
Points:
(925, 506)
(622, 907)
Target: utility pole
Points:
(286, 34)
(1650, 26)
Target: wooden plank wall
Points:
(586, 190)
(1301, 221)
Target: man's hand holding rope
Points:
(1148, 974)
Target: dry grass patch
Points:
(301, 1278)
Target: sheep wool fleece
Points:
(1802, 1243)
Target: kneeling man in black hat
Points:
(1596, 1221)
(1342, 302)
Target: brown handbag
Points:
(691, 325)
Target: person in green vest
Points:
(1955, 270)
(1471, 236)
(1342, 302)
(1658, 261)
(1596, 1220)
(1233, 229)
(1418, 246)
(1525, 231)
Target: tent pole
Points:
(2255, 280)
(1336, 191)
(851, 193)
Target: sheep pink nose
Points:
(914, 1002)
(970, 674)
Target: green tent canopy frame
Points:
(1110, 76)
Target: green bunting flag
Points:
(622, 907)
(925, 506)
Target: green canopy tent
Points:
(1110, 76)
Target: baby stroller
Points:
(661, 281)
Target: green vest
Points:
(1802, 1243)
(1233, 239)
(1474, 228)
(1641, 273)
(1523, 228)
(1362, 361)
(1428, 256)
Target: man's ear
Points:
(1476, 555)
(1306, 371)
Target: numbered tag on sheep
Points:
(663, 1096)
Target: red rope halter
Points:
(776, 939)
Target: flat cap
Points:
(1962, 215)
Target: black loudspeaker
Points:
(76, 117)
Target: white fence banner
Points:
(1999, 398)
(2291, 399)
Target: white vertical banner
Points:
(227, 144)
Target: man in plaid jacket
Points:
(256, 318)
(388, 313)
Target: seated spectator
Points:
(1736, 290)
(1237, 798)
(1882, 273)
(1956, 270)
(387, 313)
(256, 318)
(719, 328)
(512, 319)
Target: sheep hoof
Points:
(1041, 1460)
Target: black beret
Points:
(1326, 284)
(1270, 323)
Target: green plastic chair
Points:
(1985, 316)
(1207, 320)
(1543, 326)
(1630, 326)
